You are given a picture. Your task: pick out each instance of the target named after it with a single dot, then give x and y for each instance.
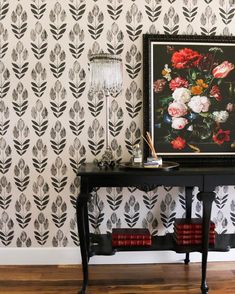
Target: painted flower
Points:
(158, 85)
(222, 70)
(181, 95)
(178, 82)
(185, 58)
(196, 90)
(230, 107)
(199, 87)
(178, 143)
(221, 137)
(220, 116)
(199, 104)
(215, 92)
(177, 109)
(178, 123)
(166, 72)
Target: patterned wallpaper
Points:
(49, 124)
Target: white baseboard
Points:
(71, 255)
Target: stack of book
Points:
(131, 237)
(189, 232)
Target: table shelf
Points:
(101, 244)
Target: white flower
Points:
(181, 95)
(199, 104)
(220, 116)
(178, 123)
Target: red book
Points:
(130, 234)
(192, 237)
(190, 231)
(194, 223)
(194, 242)
(116, 243)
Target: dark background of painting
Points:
(162, 55)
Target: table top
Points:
(125, 169)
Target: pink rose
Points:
(178, 123)
(178, 82)
(222, 70)
(177, 109)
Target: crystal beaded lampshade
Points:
(106, 78)
(106, 74)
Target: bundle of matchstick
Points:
(149, 141)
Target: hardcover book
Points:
(116, 243)
(130, 234)
(194, 223)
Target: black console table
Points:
(205, 178)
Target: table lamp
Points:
(106, 78)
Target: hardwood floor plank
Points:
(118, 279)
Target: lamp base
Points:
(107, 159)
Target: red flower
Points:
(178, 143)
(185, 58)
(215, 92)
(221, 137)
(158, 85)
(222, 70)
(178, 82)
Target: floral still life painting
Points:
(193, 97)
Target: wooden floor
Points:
(118, 279)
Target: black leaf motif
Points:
(153, 12)
(41, 202)
(39, 50)
(3, 50)
(38, 88)
(95, 107)
(4, 125)
(40, 127)
(190, 14)
(95, 147)
(23, 220)
(41, 237)
(134, 32)
(40, 164)
(59, 184)
(74, 237)
(58, 109)
(114, 11)
(19, 30)
(76, 50)
(171, 31)
(77, 11)
(4, 88)
(76, 127)
(5, 165)
(58, 32)
(95, 31)
(20, 107)
(20, 70)
(5, 201)
(6, 237)
(59, 220)
(227, 16)
(133, 109)
(115, 127)
(38, 10)
(57, 69)
(21, 147)
(22, 183)
(3, 10)
(77, 89)
(58, 146)
(133, 70)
